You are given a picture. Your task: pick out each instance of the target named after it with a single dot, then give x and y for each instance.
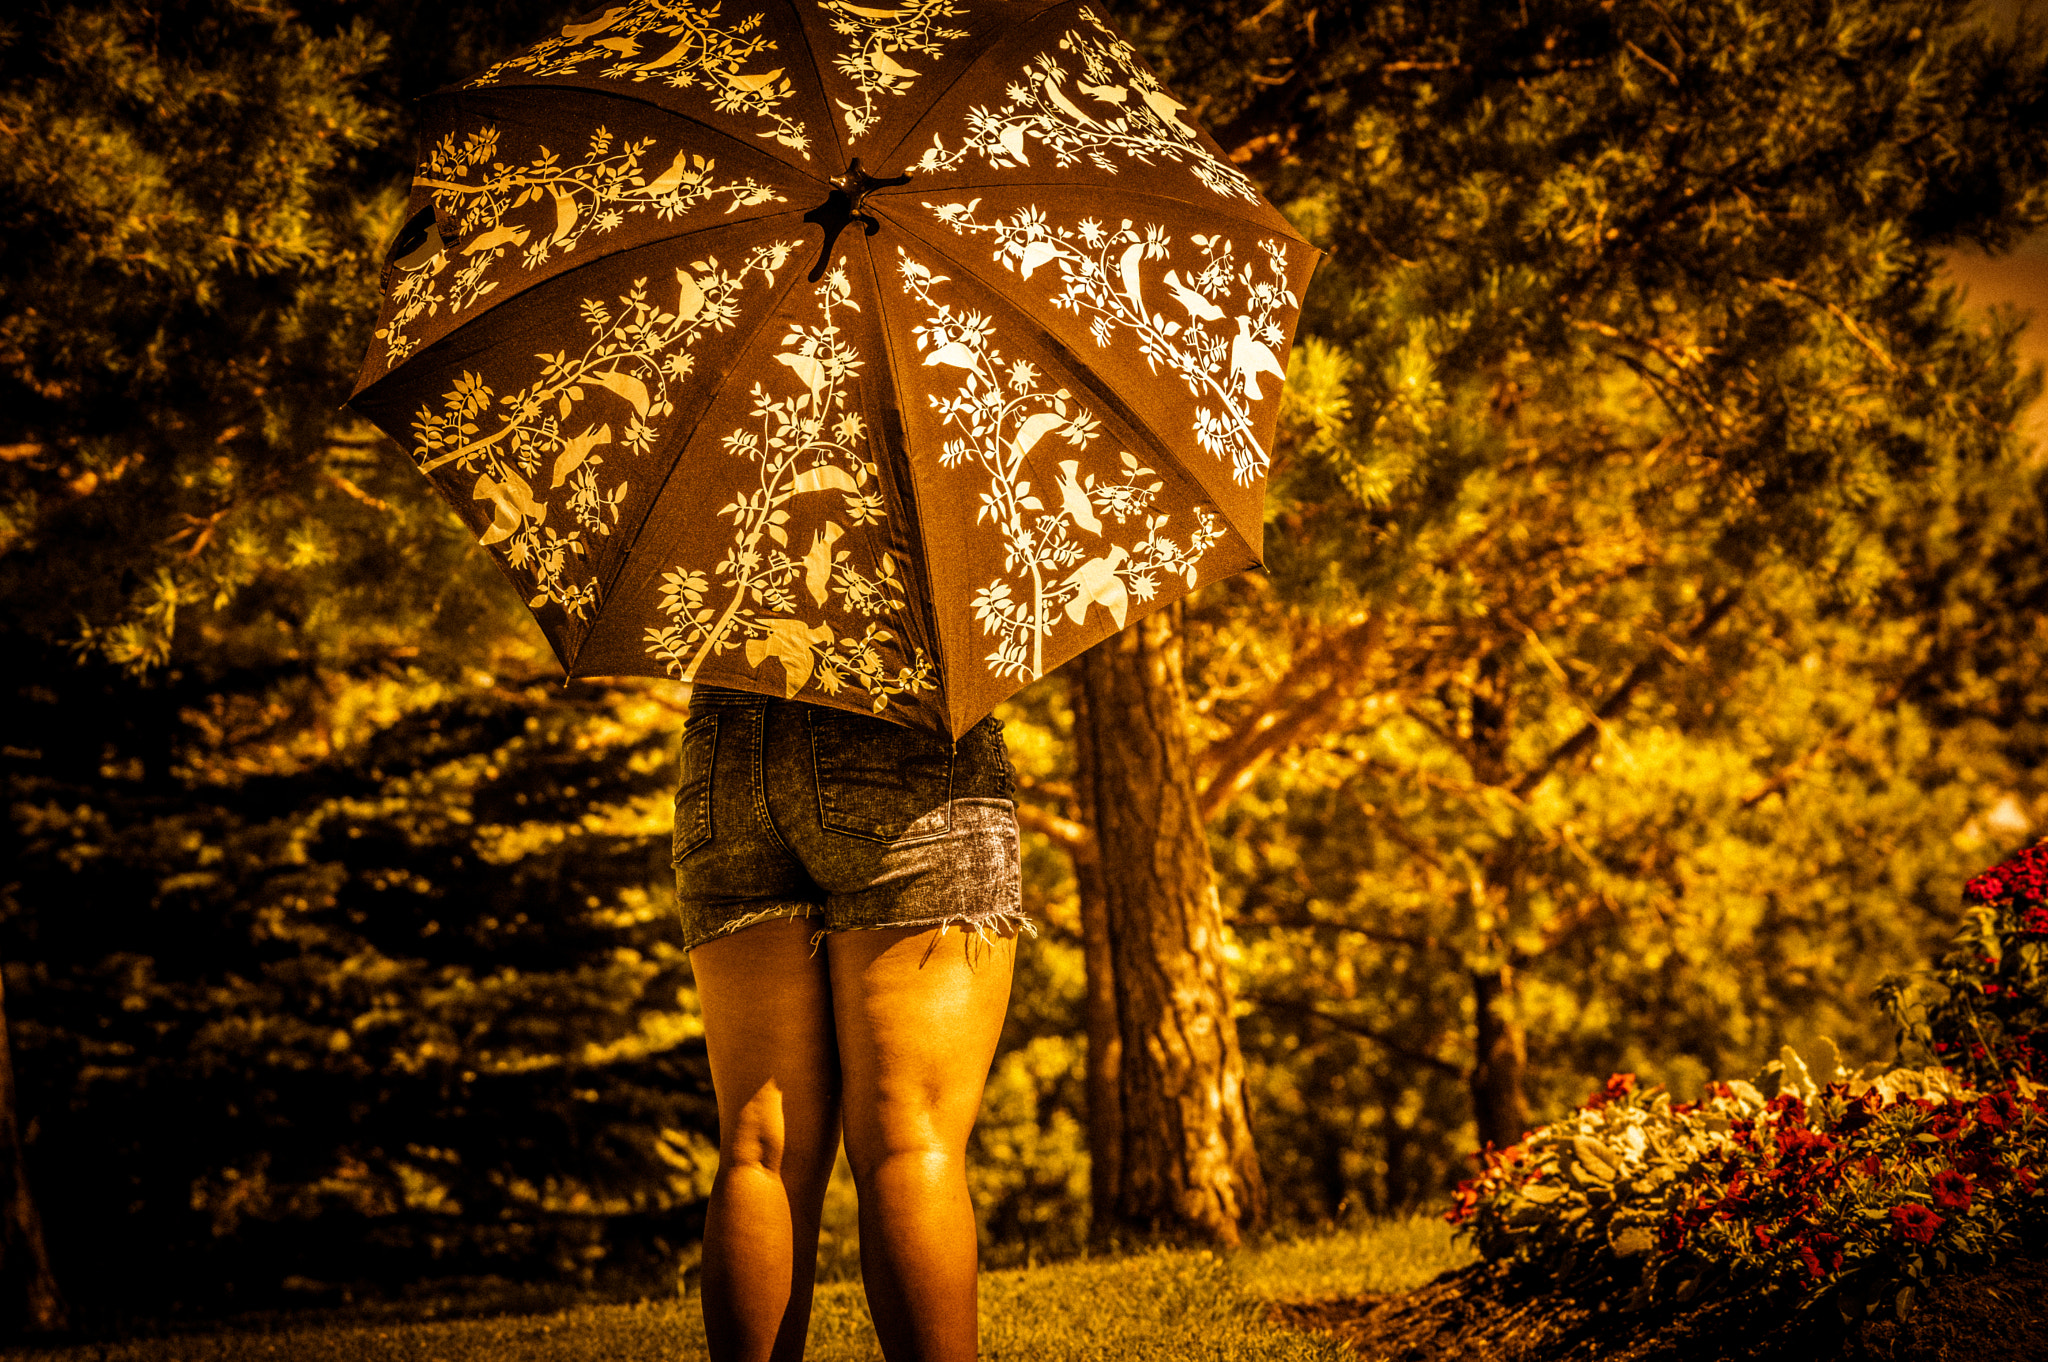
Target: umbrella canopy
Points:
(883, 357)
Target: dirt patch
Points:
(1479, 1314)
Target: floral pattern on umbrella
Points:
(1097, 271)
(1134, 118)
(679, 44)
(639, 346)
(902, 494)
(1004, 412)
(764, 595)
(878, 37)
(564, 201)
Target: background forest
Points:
(1649, 645)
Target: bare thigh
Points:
(767, 1005)
(918, 1014)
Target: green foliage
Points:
(413, 1009)
(194, 198)
(1992, 1009)
(1655, 581)
(1851, 1189)
(1581, 1195)
(1652, 619)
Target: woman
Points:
(850, 900)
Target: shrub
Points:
(1805, 1187)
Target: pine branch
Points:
(1618, 699)
(1329, 674)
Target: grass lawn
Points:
(1164, 1305)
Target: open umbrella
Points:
(883, 356)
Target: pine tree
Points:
(1632, 341)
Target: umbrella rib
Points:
(922, 558)
(965, 71)
(1087, 373)
(818, 74)
(575, 269)
(880, 201)
(682, 448)
(628, 96)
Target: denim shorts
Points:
(791, 810)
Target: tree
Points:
(1648, 358)
(1179, 1152)
(1683, 260)
(283, 811)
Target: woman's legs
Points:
(917, 1014)
(768, 1025)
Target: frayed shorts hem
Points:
(999, 922)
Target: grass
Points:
(1162, 1305)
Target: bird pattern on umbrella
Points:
(1099, 274)
(680, 44)
(599, 341)
(806, 438)
(482, 196)
(1002, 413)
(1135, 117)
(880, 38)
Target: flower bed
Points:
(1812, 1184)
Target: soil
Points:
(1479, 1314)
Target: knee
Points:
(765, 1134)
(904, 1138)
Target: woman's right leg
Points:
(767, 1004)
(918, 1014)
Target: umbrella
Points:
(883, 357)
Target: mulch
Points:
(1480, 1314)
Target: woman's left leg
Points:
(768, 1026)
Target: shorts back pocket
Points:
(693, 790)
(880, 781)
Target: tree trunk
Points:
(1185, 1167)
(1105, 1042)
(1500, 1107)
(24, 1262)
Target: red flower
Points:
(1617, 1087)
(1916, 1223)
(1952, 1190)
(1822, 1255)
(1949, 1118)
(1986, 888)
(2023, 877)
(1857, 1114)
(1798, 1142)
(1787, 1104)
(1998, 1111)
(2025, 1178)
(1872, 1165)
